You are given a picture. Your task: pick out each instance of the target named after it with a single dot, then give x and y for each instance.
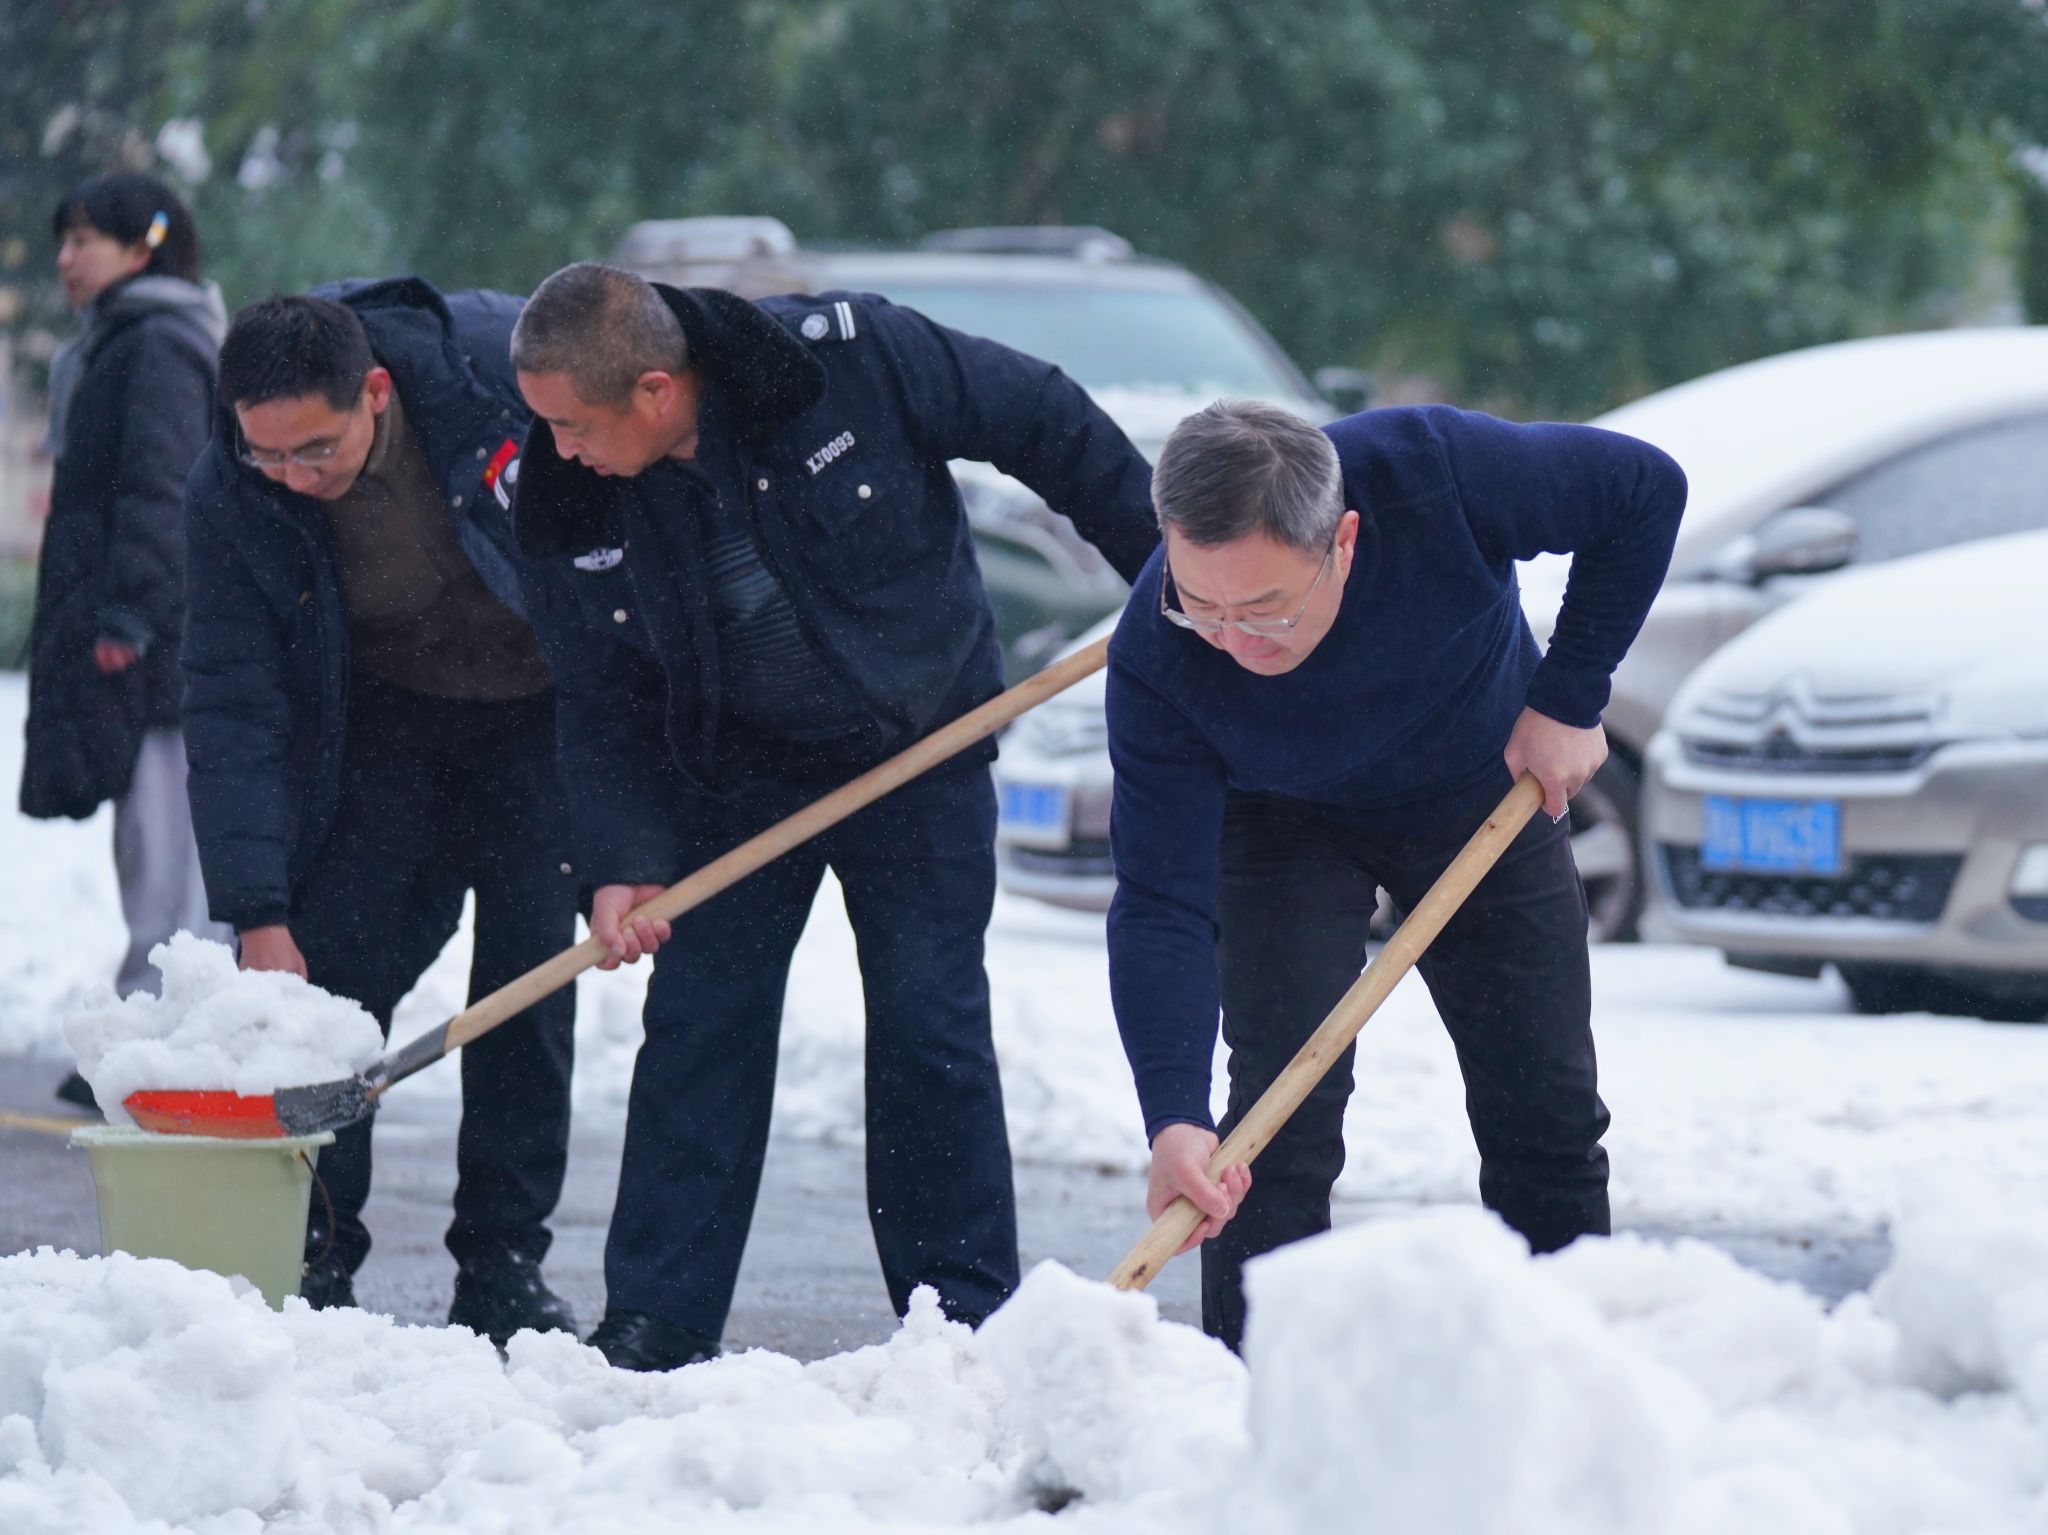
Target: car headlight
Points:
(2030, 873)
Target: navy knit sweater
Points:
(1405, 705)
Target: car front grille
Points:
(1779, 753)
(1083, 858)
(1890, 887)
(1793, 729)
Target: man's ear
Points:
(657, 388)
(670, 393)
(1347, 537)
(377, 386)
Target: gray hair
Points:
(602, 326)
(1239, 467)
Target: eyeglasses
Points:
(310, 456)
(1258, 628)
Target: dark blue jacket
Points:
(1398, 719)
(847, 410)
(266, 632)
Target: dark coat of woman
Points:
(113, 561)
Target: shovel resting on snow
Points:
(1396, 958)
(331, 1105)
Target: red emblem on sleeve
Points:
(507, 451)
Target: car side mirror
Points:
(1799, 541)
(1349, 389)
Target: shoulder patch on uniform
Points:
(834, 324)
(501, 474)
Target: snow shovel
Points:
(1258, 1127)
(331, 1105)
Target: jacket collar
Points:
(763, 377)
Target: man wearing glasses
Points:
(1321, 685)
(370, 727)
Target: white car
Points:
(1799, 465)
(1862, 780)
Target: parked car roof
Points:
(1764, 434)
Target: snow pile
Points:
(1419, 1376)
(1113, 1401)
(133, 1390)
(216, 1026)
(1971, 1297)
(1424, 1375)
(1416, 1376)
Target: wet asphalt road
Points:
(810, 1286)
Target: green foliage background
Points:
(1546, 206)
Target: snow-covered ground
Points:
(1414, 1376)
(1418, 1373)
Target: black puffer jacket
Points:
(113, 561)
(266, 646)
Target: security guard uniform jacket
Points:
(846, 410)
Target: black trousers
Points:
(1508, 974)
(440, 797)
(918, 873)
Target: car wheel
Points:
(1903, 989)
(1605, 847)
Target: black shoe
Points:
(504, 1294)
(633, 1340)
(327, 1285)
(75, 1089)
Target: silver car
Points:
(1800, 465)
(1862, 780)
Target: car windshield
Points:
(1971, 484)
(1114, 338)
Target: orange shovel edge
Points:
(287, 1112)
(229, 1116)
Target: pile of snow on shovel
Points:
(243, 1031)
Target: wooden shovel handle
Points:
(1258, 1127)
(947, 741)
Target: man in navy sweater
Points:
(1321, 685)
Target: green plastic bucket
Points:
(236, 1207)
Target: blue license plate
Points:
(1035, 807)
(1773, 836)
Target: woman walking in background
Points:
(131, 405)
